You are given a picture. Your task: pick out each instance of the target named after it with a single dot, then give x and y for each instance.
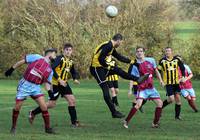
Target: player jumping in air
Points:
(112, 81)
(100, 69)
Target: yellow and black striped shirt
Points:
(169, 69)
(97, 52)
(103, 51)
(62, 67)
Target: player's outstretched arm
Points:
(16, 65)
(120, 57)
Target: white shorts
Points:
(186, 92)
(150, 94)
(26, 88)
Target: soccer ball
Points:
(111, 11)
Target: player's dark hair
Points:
(140, 47)
(50, 50)
(117, 36)
(168, 47)
(67, 45)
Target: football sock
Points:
(131, 113)
(36, 111)
(192, 105)
(106, 96)
(115, 101)
(177, 110)
(158, 112)
(45, 115)
(165, 103)
(15, 115)
(144, 102)
(72, 113)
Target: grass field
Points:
(186, 30)
(93, 113)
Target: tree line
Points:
(34, 25)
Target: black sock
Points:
(114, 100)
(107, 99)
(144, 102)
(177, 110)
(165, 103)
(133, 104)
(36, 111)
(72, 113)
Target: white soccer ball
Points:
(111, 11)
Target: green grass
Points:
(186, 30)
(94, 114)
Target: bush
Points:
(31, 26)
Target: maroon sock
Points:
(158, 112)
(15, 115)
(192, 104)
(45, 115)
(131, 113)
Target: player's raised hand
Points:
(9, 72)
(76, 81)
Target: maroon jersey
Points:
(38, 71)
(187, 84)
(142, 68)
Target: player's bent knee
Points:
(160, 104)
(171, 99)
(72, 101)
(51, 104)
(116, 91)
(43, 107)
(188, 97)
(137, 106)
(17, 108)
(113, 91)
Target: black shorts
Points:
(112, 84)
(172, 89)
(60, 90)
(99, 74)
(135, 89)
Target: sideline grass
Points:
(187, 30)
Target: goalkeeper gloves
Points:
(9, 72)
